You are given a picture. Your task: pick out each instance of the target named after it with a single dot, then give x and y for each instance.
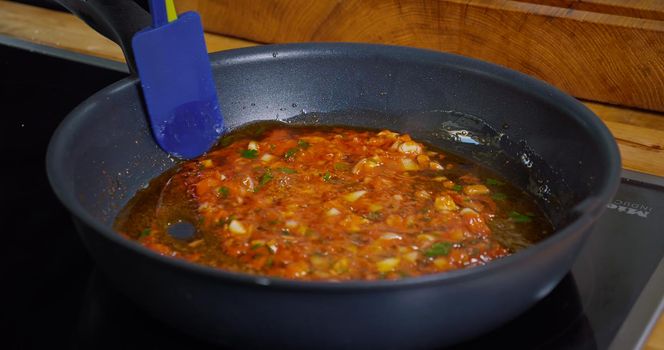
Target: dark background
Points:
(42, 259)
(51, 4)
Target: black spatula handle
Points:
(117, 20)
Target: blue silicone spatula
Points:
(178, 88)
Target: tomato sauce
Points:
(332, 203)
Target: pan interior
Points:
(472, 138)
(538, 138)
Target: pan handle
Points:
(117, 20)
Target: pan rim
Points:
(580, 225)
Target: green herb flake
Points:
(249, 153)
(327, 176)
(224, 191)
(267, 177)
(287, 170)
(303, 144)
(256, 246)
(291, 152)
(520, 218)
(457, 188)
(144, 233)
(494, 182)
(260, 130)
(340, 166)
(499, 196)
(438, 249)
(227, 140)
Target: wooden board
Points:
(656, 340)
(640, 136)
(613, 55)
(65, 31)
(648, 9)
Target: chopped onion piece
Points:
(249, 183)
(196, 243)
(253, 145)
(333, 212)
(445, 203)
(468, 211)
(291, 223)
(375, 207)
(366, 163)
(388, 134)
(387, 265)
(441, 262)
(409, 164)
(341, 266)
(390, 236)
(236, 227)
(425, 237)
(410, 147)
(267, 157)
(319, 261)
(411, 257)
(435, 166)
(353, 196)
(472, 190)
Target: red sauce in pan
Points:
(332, 203)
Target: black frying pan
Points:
(541, 139)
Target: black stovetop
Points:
(54, 297)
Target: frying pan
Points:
(538, 137)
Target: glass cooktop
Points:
(53, 296)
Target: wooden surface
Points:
(640, 134)
(599, 56)
(65, 31)
(656, 340)
(648, 9)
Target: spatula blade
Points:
(178, 87)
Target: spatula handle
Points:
(117, 20)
